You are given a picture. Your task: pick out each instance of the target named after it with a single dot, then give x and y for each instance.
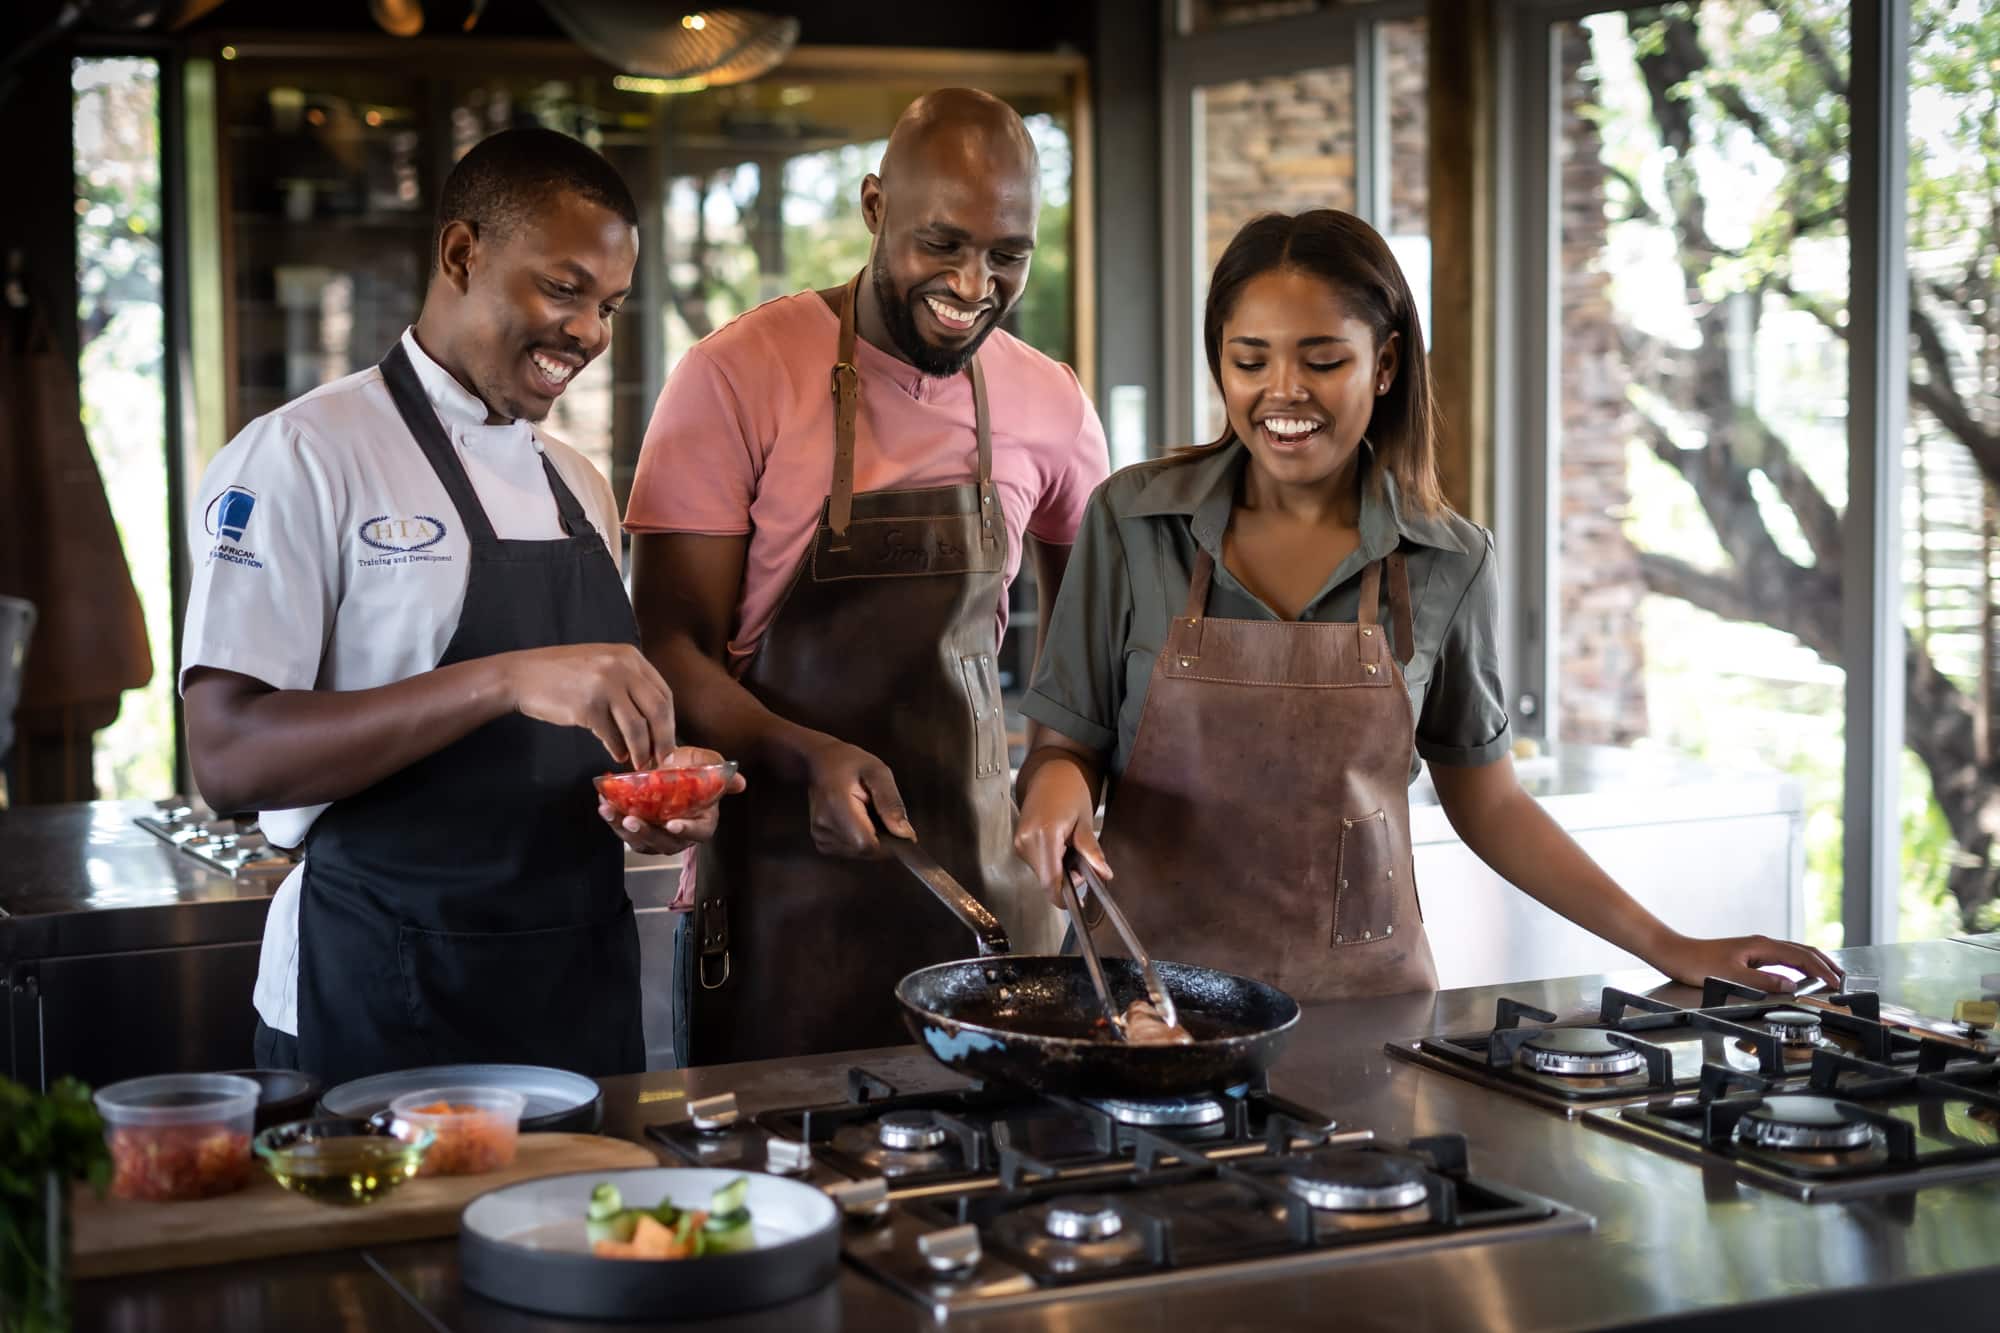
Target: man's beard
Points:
(901, 317)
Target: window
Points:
(1951, 537)
(121, 323)
(1699, 450)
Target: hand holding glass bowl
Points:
(668, 809)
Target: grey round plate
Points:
(557, 1099)
(524, 1245)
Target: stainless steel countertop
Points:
(84, 879)
(1675, 1246)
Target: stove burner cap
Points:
(909, 1131)
(1794, 1027)
(1578, 1052)
(1358, 1182)
(1083, 1217)
(1170, 1111)
(1801, 1122)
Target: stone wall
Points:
(1600, 656)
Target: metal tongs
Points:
(1156, 993)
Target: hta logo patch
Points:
(402, 535)
(229, 513)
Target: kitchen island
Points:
(1675, 1245)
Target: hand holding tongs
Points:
(1156, 993)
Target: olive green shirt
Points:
(1128, 577)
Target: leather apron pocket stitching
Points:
(475, 996)
(1365, 890)
(989, 720)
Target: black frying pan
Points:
(1032, 1019)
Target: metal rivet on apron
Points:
(1369, 668)
(1367, 934)
(1343, 884)
(1187, 661)
(1388, 930)
(1367, 633)
(1340, 939)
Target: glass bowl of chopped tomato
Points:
(657, 795)
(178, 1136)
(474, 1130)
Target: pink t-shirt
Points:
(742, 441)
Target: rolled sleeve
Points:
(699, 465)
(264, 531)
(1464, 721)
(1079, 682)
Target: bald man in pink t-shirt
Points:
(834, 495)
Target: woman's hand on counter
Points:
(1743, 959)
(1058, 812)
(676, 835)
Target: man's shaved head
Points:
(959, 129)
(953, 210)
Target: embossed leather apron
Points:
(885, 640)
(1262, 825)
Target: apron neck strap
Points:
(414, 406)
(982, 427)
(1402, 624)
(1197, 598)
(575, 523)
(1371, 593)
(1402, 616)
(847, 408)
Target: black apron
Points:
(472, 907)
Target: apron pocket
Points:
(567, 996)
(989, 721)
(1364, 899)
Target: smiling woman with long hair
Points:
(1259, 642)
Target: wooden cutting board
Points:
(263, 1219)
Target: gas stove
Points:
(1854, 1127)
(979, 1137)
(235, 848)
(1641, 1049)
(981, 1197)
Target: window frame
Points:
(1526, 384)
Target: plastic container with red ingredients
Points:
(178, 1136)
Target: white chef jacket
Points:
(328, 557)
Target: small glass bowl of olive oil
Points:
(340, 1161)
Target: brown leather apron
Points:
(1262, 825)
(886, 640)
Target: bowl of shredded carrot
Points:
(476, 1129)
